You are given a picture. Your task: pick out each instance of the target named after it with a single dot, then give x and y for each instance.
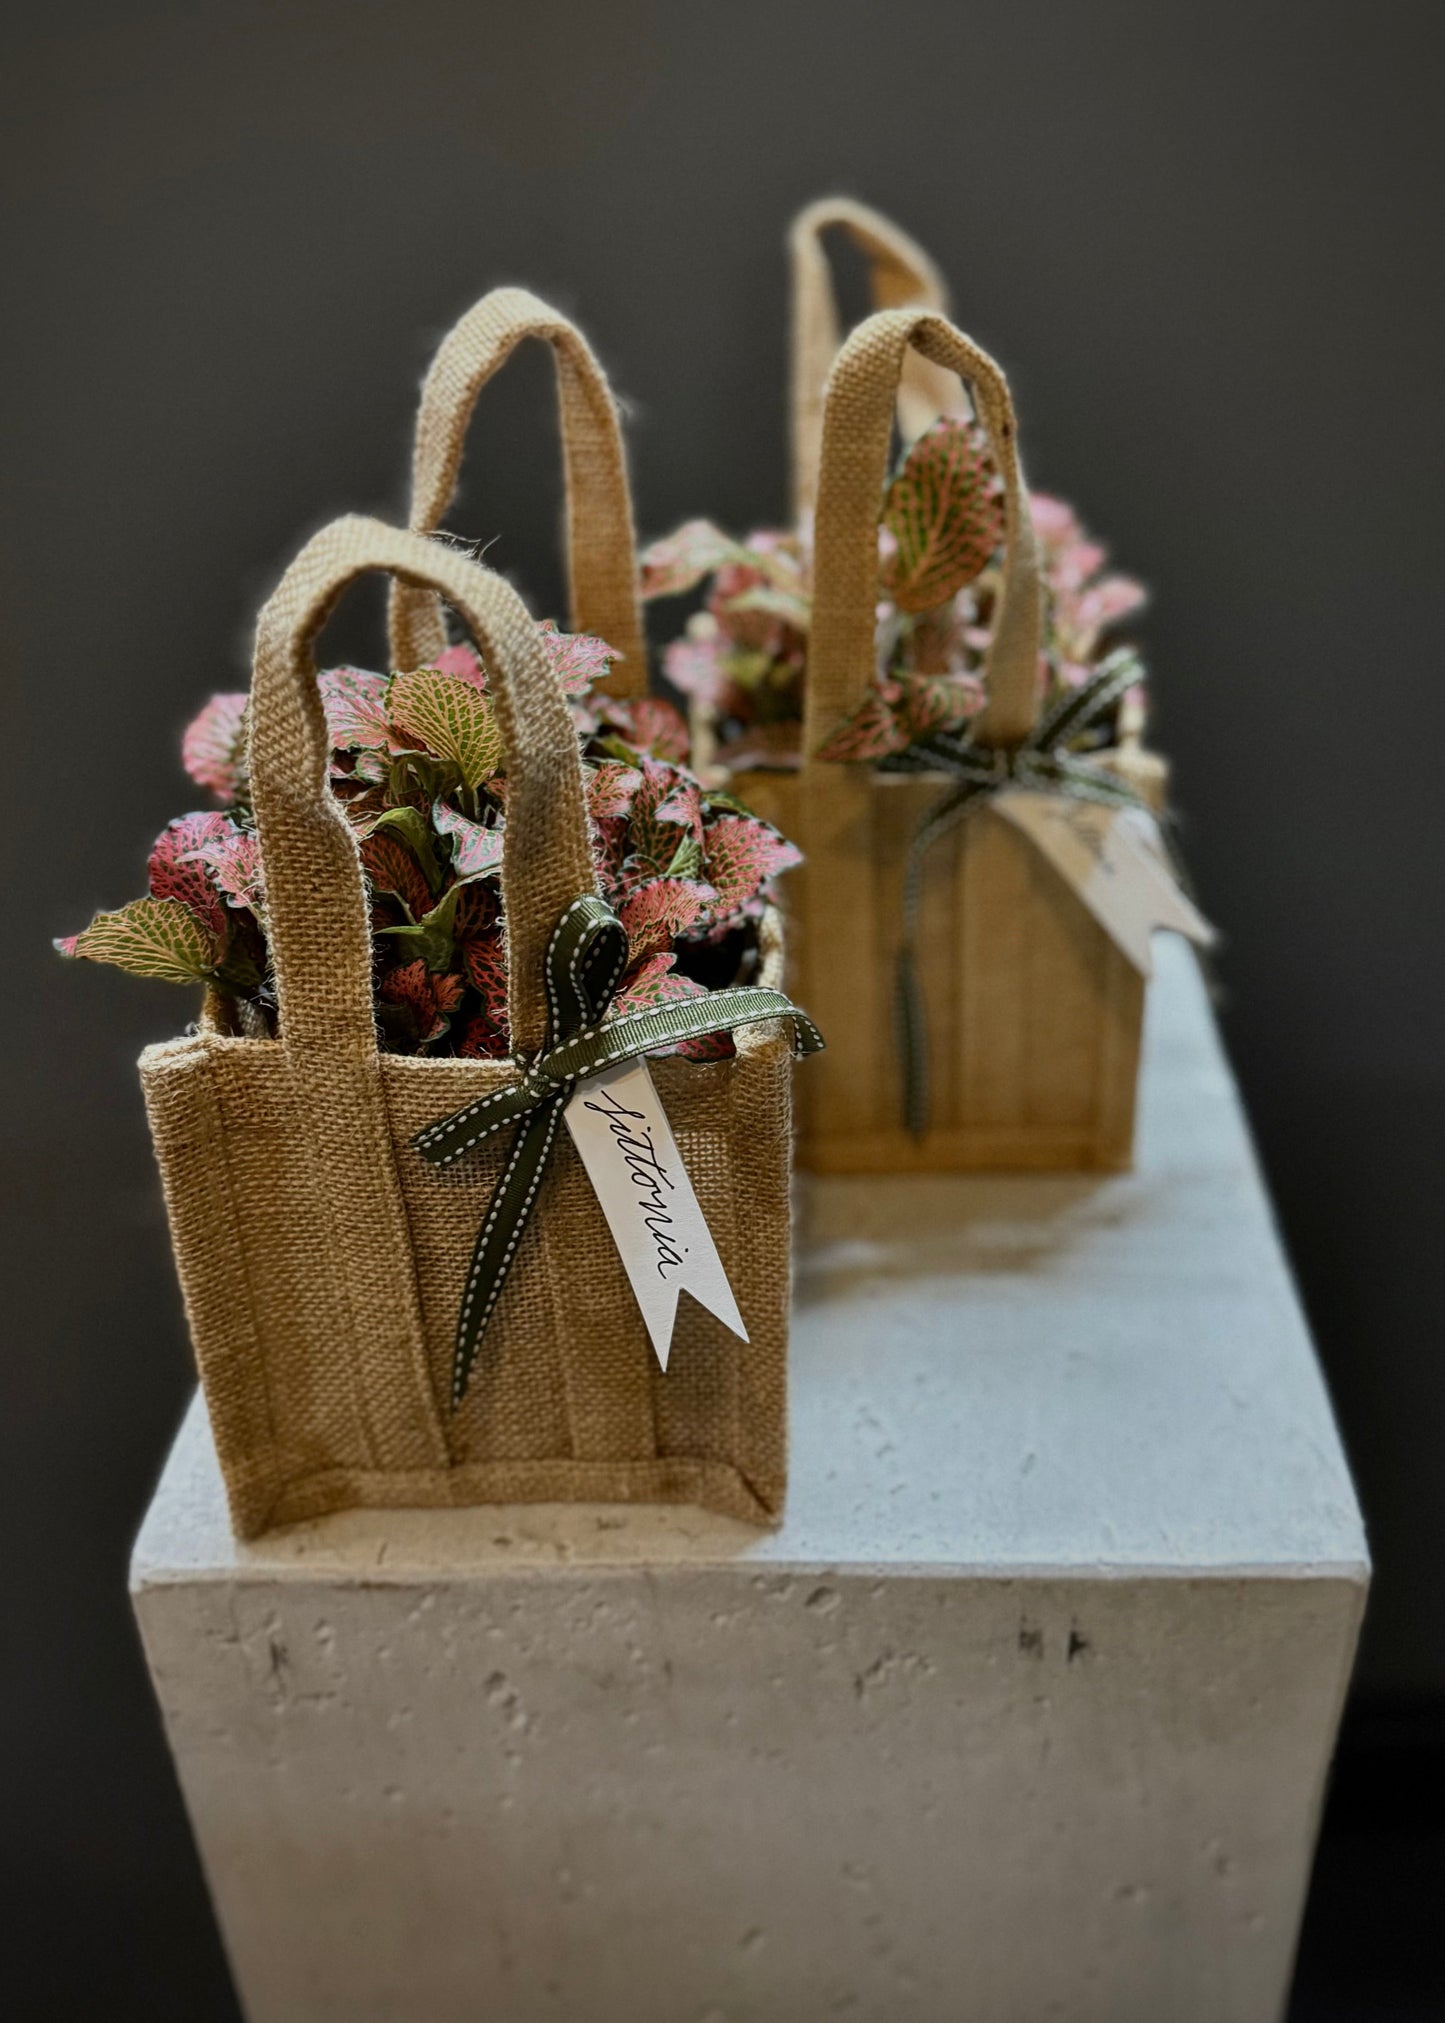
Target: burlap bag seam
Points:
(717, 1486)
(244, 1346)
(255, 1354)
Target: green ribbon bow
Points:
(585, 960)
(1041, 761)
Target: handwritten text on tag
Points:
(624, 1140)
(1114, 859)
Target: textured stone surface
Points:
(1024, 1712)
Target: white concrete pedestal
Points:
(1024, 1713)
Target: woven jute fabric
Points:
(1032, 1015)
(900, 275)
(601, 546)
(322, 1259)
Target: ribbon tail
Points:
(501, 1232)
(910, 1017)
(911, 1036)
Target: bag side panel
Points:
(189, 1136)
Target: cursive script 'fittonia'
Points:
(647, 1171)
(624, 1140)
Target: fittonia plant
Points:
(417, 765)
(742, 658)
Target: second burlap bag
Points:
(1032, 1014)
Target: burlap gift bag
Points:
(323, 1259)
(1032, 1014)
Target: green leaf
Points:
(577, 659)
(411, 824)
(150, 937)
(415, 779)
(391, 869)
(213, 750)
(433, 938)
(451, 718)
(944, 514)
(686, 859)
(476, 846)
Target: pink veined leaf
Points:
(481, 1040)
(214, 744)
(451, 719)
(609, 849)
(656, 914)
(920, 703)
(708, 1047)
(486, 970)
(650, 724)
(481, 946)
(234, 862)
(424, 1001)
(462, 662)
(928, 702)
(760, 601)
(779, 555)
(577, 659)
(654, 981)
(1076, 563)
(390, 867)
(944, 512)
(355, 705)
(1106, 603)
(680, 560)
(369, 767)
(666, 819)
(697, 665)
(476, 847)
(176, 872)
(1054, 520)
(872, 732)
(158, 938)
(611, 788)
(765, 600)
(741, 854)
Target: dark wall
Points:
(1204, 240)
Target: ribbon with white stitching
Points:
(585, 960)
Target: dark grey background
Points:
(1204, 240)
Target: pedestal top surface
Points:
(1007, 1375)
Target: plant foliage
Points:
(742, 658)
(418, 766)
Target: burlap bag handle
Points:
(601, 547)
(315, 894)
(900, 274)
(857, 430)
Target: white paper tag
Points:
(622, 1134)
(1114, 858)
